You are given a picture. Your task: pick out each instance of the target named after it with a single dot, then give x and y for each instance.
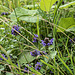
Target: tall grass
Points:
(58, 62)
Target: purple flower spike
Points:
(36, 35)
(51, 41)
(46, 42)
(16, 28)
(4, 13)
(1, 59)
(35, 38)
(38, 66)
(43, 43)
(34, 53)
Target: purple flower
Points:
(42, 53)
(26, 69)
(43, 43)
(17, 64)
(46, 42)
(35, 38)
(50, 72)
(38, 66)
(1, 59)
(71, 40)
(3, 56)
(51, 41)
(36, 35)
(4, 13)
(16, 28)
(35, 53)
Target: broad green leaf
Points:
(65, 23)
(67, 5)
(72, 28)
(24, 14)
(28, 57)
(46, 5)
(29, 18)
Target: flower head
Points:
(46, 42)
(36, 35)
(4, 13)
(35, 53)
(16, 28)
(38, 66)
(35, 38)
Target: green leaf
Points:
(1, 68)
(67, 5)
(65, 23)
(53, 54)
(25, 15)
(51, 47)
(7, 73)
(3, 8)
(26, 57)
(29, 18)
(46, 5)
(71, 28)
